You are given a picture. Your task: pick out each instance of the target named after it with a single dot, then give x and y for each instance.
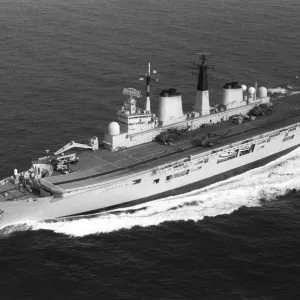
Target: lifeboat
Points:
(227, 154)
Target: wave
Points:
(282, 90)
(249, 190)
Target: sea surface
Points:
(63, 65)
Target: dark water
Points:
(63, 67)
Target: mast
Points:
(147, 104)
(202, 75)
(201, 103)
(148, 77)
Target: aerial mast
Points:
(201, 104)
(148, 77)
(202, 75)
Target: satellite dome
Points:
(244, 87)
(262, 92)
(113, 128)
(251, 90)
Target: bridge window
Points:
(169, 177)
(156, 181)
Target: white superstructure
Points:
(140, 126)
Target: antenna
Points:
(203, 65)
(204, 59)
(144, 76)
(202, 56)
(132, 93)
(47, 151)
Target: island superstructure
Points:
(136, 126)
(145, 155)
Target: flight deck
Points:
(101, 165)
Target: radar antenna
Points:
(202, 57)
(132, 93)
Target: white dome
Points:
(113, 128)
(251, 90)
(244, 87)
(262, 92)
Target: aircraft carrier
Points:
(145, 155)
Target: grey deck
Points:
(101, 165)
(9, 192)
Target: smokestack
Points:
(169, 106)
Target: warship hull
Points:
(184, 171)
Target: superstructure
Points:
(145, 155)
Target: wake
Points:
(282, 91)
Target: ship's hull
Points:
(197, 172)
(199, 184)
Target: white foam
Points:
(278, 90)
(283, 91)
(268, 182)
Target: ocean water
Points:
(63, 67)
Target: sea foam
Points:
(282, 91)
